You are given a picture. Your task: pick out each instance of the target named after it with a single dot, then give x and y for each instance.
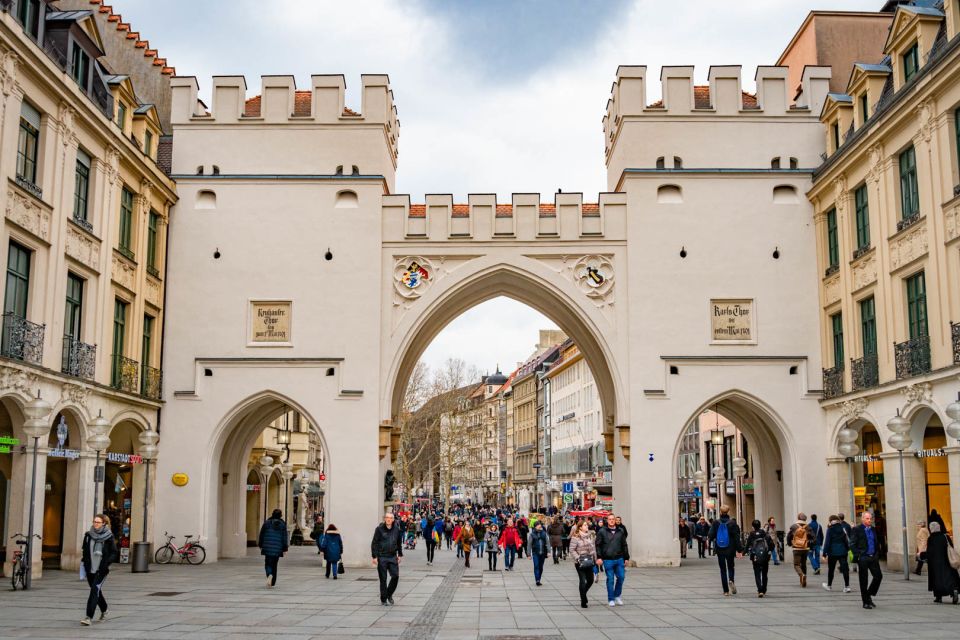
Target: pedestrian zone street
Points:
(228, 599)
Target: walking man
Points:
(429, 539)
(510, 541)
(386, 549)
(539, 549)
(99, 550)
(816, 544)
(800, 538)
(273, 543)
(612, 554)
(725, 535)
(865, 544)
(760, 547)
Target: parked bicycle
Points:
(21, 565)
(191, 551)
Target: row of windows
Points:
(16, 296)
(916, 298)
(28, 144)
(909, 207)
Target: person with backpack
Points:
(728, 545)
(800, 538)
(448, 531)
(760, 547)
(816, 544)
(836, 546)
(332, 546)
(771, 529)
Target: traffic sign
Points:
(568, 498)
(568, 487)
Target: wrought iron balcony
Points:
(29, 186)
(124, 374)
(84, 224)
(859, 251)
(833, 382)
(909, 221)
(832, 269)
(955, 337)
(79, 359)
(150, 380)
(22, 339)
(865, 372)
(912, 357)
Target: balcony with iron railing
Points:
(912, 357)
(22, 340)
(865, 372)
(79, 358)
(833, 382)
(150, 381)
(124, 374)
(955, 339)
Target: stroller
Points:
(410, 540)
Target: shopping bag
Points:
(340, 569)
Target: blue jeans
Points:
(814, 557)
(481, 545)
(614, 569)
(773, 554)
(538, 566)
(509, 555)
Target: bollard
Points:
(140, 562)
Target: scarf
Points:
(97, 538)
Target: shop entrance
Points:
(936, 471)
(870, 491)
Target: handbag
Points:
(586, 561)
(340, 568)
(953, 557)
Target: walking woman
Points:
(539, 549)
(465, 539)
(510, 541)
(492, 543)
(836, 548)
(273, 544)
(332, 545)
(760, 548)
(942, 578)
(99, 550)
(555, 531)
(684, 533)
(583, 551)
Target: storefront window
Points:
(937, 473)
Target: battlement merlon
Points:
(280, 101)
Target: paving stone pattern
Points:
(228, 600)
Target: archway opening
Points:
(271, 456)
(936, 472)
(732, 454)
(61, 517)
(502, 405)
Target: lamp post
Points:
(287, 469)
(901, 440)
(953, 412)
(719, 474)
(739, 471)
(848, 448)
(266, 466)
(36, 426)
(700, 478)
(98, 441)
(141, 550)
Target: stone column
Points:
(953, 465)
(914, 479)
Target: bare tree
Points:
(415, 442)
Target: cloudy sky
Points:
(494, 96)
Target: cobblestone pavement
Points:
(229, 600)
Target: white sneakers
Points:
(611, 603)
(619, 601)
(826, 587)
(733, 588)
(846, 589)
(269, 582)
(86, 621)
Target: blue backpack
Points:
(723, 536)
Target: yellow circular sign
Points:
(180, 479)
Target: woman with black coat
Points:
(273, 542)
(836, 548)
(942, 579)
(99, 550)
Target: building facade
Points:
(887, 206)
(84, 241)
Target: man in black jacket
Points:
(725, 535)
(612, 553)
(865, 544)
(386, 549)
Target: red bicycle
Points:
(191, 551)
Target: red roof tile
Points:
(591, 208)
(461, 210)
(504, 211)
(548, 209)
(701, 99)
(418, 211)
(302, 101)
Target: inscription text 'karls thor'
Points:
(732, 319)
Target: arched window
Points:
(660, 163)
(677, 162)
(669, 194)
(785, 194)
(206, 199)
(346, 200)
(794, 163)
(775, 163)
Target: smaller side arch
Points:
(669, 194)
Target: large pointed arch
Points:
(529, 287)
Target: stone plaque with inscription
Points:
(270, 321)
(732, 320)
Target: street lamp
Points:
(98, 441)
(953, 411)
(901, 440)
(739, 471)
(36, 426)
(148, 451)
(700, 477)
(287, 468)
(266, 466)
(848, 448)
